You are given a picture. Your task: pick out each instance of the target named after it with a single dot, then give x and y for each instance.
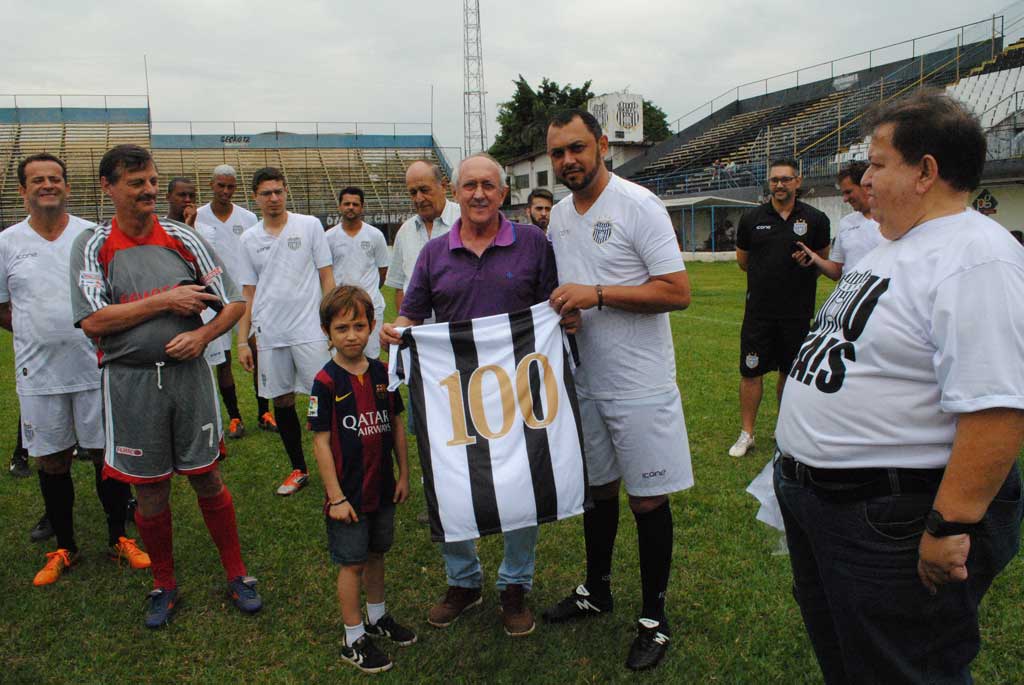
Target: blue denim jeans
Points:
(462, 564)
(869, 618)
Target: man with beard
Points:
(361, 257)
(780, 288)
(538, 207)
(619, 263)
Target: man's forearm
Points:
(654, 297)
(225, 319)
(115, 318)
(5, 316)
(985, 447)
(245, 321)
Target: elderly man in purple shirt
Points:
(485, 265)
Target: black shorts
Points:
(770, 344)
(351, 543)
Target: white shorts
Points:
(214, 353)
(291, 369)
(642, 441)
(51, 423)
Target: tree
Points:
(655, 123)
(522, 121)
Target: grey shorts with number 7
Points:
(160, 419)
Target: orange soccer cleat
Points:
(56, 563)
(127, 549)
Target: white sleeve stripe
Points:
(203, 258)
(93, 294)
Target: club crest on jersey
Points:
(367, 246)
(800, 227)
(238, 229)
(602, 231)
(752, 360)
(295, 242)
(314, 407)
(381, 390)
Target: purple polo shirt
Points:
(515, 272)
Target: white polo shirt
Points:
(623, 239)
(283, 268)
(857, 235)
(225, 235)
(409, 241)
(51, 356)
(357, 259)
(922, 329)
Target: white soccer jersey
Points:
(214, 352)
(225, 236)
(497, 423)
(857, 235)
(284, 268)
(51, 356)
(358, 258)
(924, 328)
(624, 238)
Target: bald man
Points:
(434, 216)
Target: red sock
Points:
(158, 535)
(219, 514)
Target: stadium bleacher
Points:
(317, 166)
(817, 122)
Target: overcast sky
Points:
(304, 60)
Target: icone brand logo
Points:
(654, 474)
(128, 451)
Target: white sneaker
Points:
(742, 444)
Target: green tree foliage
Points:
(522, 121)
(655, 123)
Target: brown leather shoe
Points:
(450, 607)
(515, 615)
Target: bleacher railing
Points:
(987, 29)
(284, 127)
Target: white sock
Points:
(375, 612)
(353, 633)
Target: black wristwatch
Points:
(940, 528)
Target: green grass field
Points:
(734, 620)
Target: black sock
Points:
(291, 435)
(114, 496)
(20, 447)
(654, 534)
(230, 397)
(600, 525)
(59, 498)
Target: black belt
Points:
(852, 485)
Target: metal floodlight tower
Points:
(474, 126)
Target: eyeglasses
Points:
(781, 180)
(272, 193)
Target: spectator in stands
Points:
(229, 222)
(361, 257)
(57, 381)
(897, 478)
(286, 271)
(538, 207)
(858, 233)
(781, 285)
(434, 216)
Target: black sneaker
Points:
(365, 656)
(19, 464)
(388, 627)
(649, 647)
(42, 530)
(580, 604)
(161, 604)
